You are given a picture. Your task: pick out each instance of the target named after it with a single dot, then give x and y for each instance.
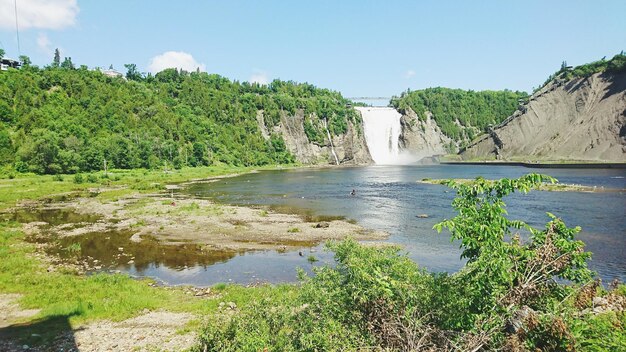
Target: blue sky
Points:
(361, 48)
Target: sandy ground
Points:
(219, 227)
(151, 331)
(11, 311)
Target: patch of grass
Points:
(190, 207)
(220, 286)
(293, 230)
(113, 195)
(139, 223)
(73, 248)
(215, 210)
(29, 186)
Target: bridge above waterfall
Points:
(373, 101)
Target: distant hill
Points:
(65, 120)
(578, 115)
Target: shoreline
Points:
(547, 187)
(542, 165)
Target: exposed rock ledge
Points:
(350, 148)
(422, 138)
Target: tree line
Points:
(66, 119)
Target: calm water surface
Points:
(388, 198)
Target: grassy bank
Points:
(60, 294)
(113, 184)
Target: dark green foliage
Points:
(63, 120)
(474, 111)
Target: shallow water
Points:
(388, 198)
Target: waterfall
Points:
(382, 132)
(332, 147)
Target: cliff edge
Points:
(423, 138)
(349, 148)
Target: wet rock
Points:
(322, 225)
(131, 262)
(600, 301)
(422, 216)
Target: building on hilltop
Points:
(113, 73)
(7, 63)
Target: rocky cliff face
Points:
(350, 148)
(581, 119)
(422, 138)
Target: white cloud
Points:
(174, 59)
(43, 43)
(43, 14)
(409, 74)
(259, 77)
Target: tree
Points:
(132, 73)
(501, 271)
(67, 63)
(25, 60)
(563, 65)
(2, 52)
(56, 61)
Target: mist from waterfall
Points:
(382, 133)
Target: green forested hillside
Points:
(472, 109)
(60, 119)
(614, 65)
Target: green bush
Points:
(78, 178)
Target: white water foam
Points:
(382, 132)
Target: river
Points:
(389, 198)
